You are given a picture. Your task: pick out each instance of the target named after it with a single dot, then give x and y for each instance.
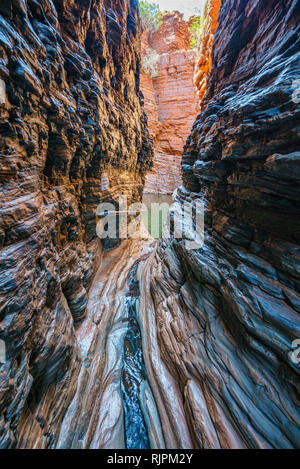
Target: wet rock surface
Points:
(99, 415)
(72, 112)
(170, 99)
(220, 321)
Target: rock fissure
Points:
(134, 372)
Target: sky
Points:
(185, 6)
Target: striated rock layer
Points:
(95, 417)
(72, 114)
(204, 62)
(216, 324)
(220, 321)
(170, 99)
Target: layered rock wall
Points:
(170, 99)
(70, 71)
(220, 321)
(204, 62)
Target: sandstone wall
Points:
(170, 100)
(72, 112)
(220, 321)
(204, 62)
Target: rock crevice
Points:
(216, 323)
(72, 112)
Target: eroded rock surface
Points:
(95, 417)
(170, 99)
(217, 322)
(72, 112)
(204, 62)
(220, 321)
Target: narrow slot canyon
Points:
(170, 99)
(149, 230)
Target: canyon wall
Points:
(216, 320)
(170, 99)
(220, 321)
(71, 116)
(204, 62)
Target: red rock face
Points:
(227, 313)
(204, 63)
(170, 100)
